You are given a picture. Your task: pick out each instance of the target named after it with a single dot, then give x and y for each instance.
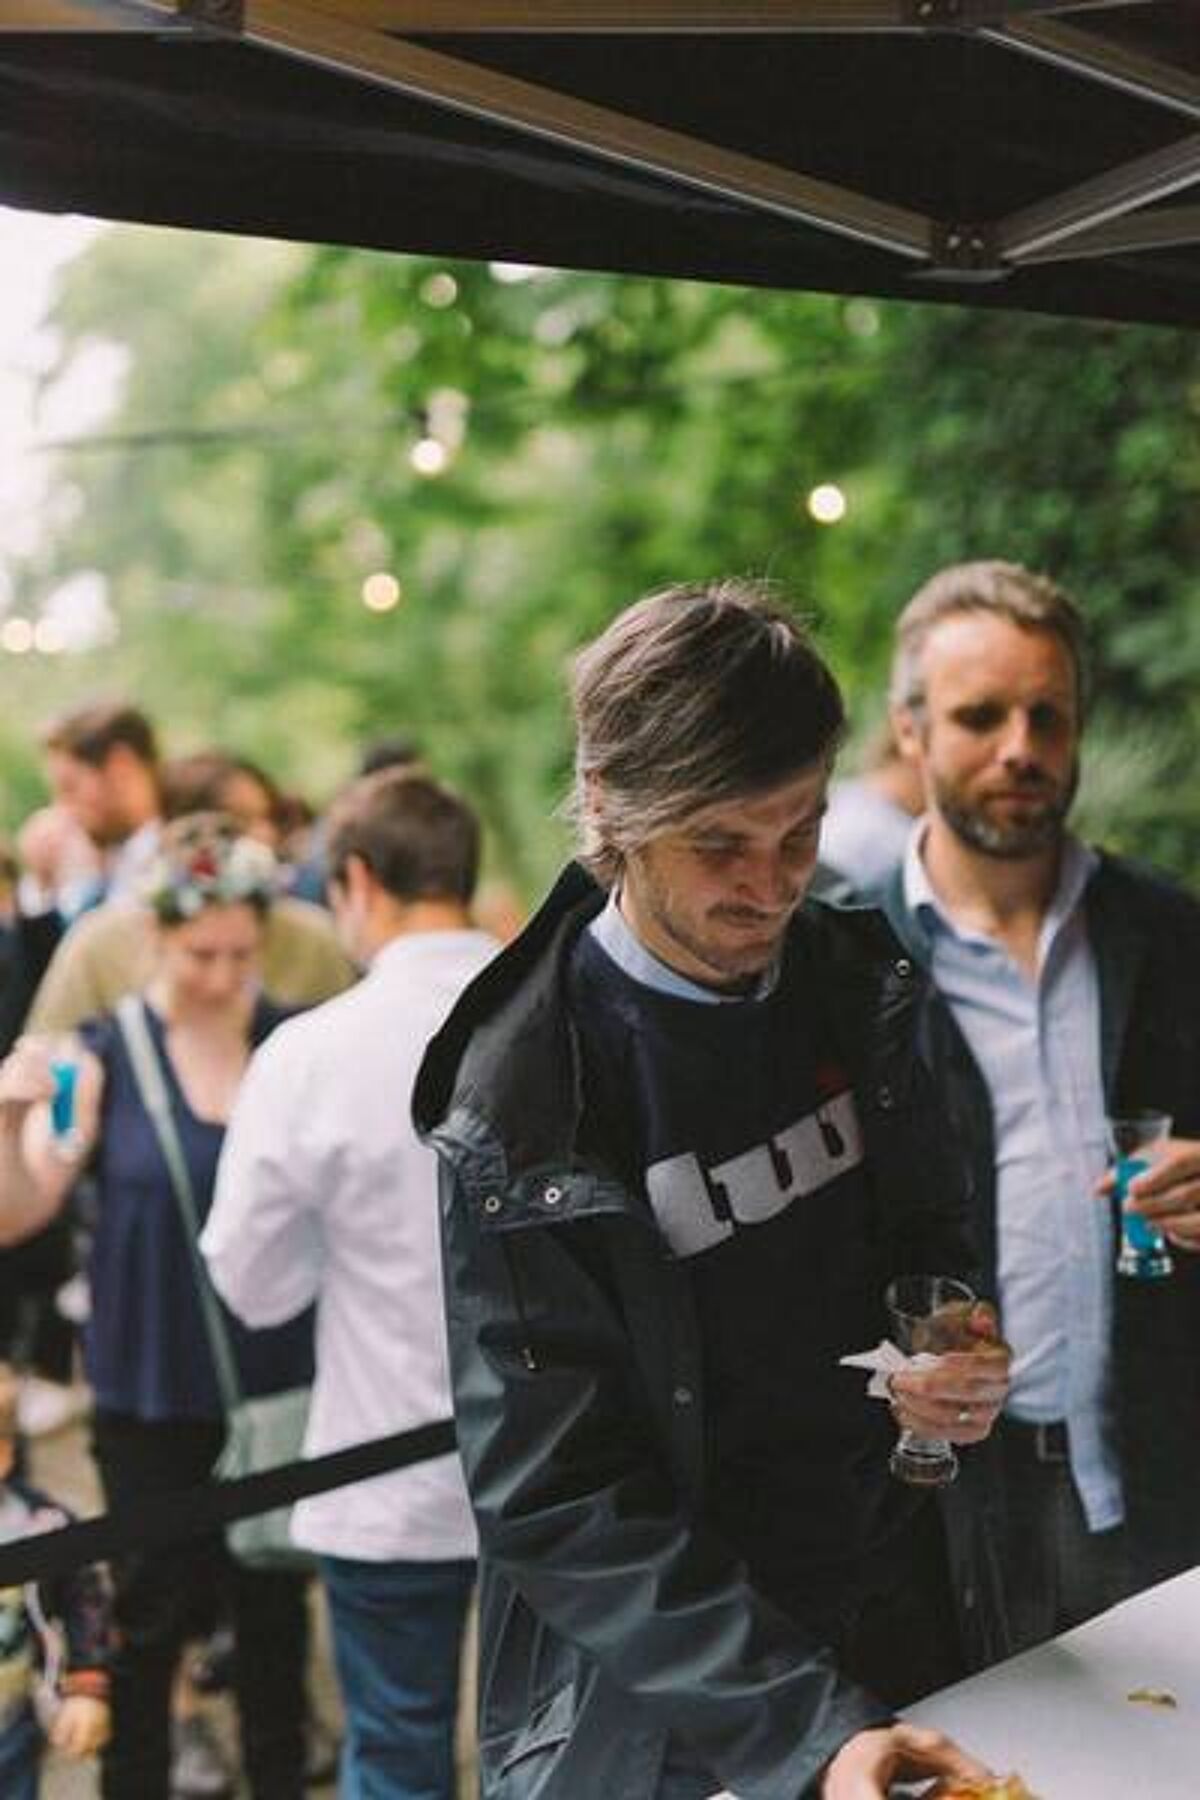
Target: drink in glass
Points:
(64, 1072)
(1143, 1252)
(929, 1314)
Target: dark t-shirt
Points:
(145, 1346)
(740, 1126)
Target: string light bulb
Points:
(381, 592)
(827, 503)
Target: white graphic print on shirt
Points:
(756, 1184)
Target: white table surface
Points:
(1061, 1717)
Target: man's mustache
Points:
(1031, 781)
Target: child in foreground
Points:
(54, 1637)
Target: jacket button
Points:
(552, 1195)
(903, 967)
(886, 1098)
(492, 1204)
(683, 1396)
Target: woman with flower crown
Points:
(158, 1414)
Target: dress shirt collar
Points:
(409, 945)
(616, 937)
(132, 861)
(1076, 868)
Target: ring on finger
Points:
(964, 1415)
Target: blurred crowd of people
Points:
(184, 883)
(691, 1131)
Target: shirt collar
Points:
(1076, 867)
(409, 945)
(132, 860)
(613, 933)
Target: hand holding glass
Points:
(928, 1313)
(1143, 1251)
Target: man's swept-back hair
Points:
(693, 697)
(996, 589)
(419, 840)
(90, 733)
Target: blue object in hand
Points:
(1143, 1253)
(65, 1073)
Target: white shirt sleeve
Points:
(262, 1240)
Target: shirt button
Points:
(552, 1195)
(886, 1098)
(683, 1396)
(492, 1204)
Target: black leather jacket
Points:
(611, 1615)
(1145, 936)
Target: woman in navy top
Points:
(159, 1419)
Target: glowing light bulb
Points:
(49, 637)
(429, 456)
(827, 503)
(440, 290)
(16, 636)
(381, 592)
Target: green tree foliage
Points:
(1074, 448)
(597, 436)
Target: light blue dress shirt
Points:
(1037, 1042)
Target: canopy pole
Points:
(1166, 228)
(333, 43)
(1099, 58)
(1093, 203)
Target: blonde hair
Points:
(1000, 589)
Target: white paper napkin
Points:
(883, 1362)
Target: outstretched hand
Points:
(867, 1765)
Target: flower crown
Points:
(203, 862)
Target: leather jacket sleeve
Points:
(564, 1450)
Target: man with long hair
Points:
(686, 1142)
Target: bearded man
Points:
(1065, 991)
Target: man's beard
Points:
(731, 968)
(1010, 840)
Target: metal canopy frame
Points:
(370, 41)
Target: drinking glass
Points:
(928, 1314)
(1143, 1251)
(64, 1072)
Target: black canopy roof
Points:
(1028, 153)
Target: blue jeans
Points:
(397, 1641)
(20, 1758)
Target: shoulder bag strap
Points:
(147, 1071)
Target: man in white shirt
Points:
(325, 1194)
